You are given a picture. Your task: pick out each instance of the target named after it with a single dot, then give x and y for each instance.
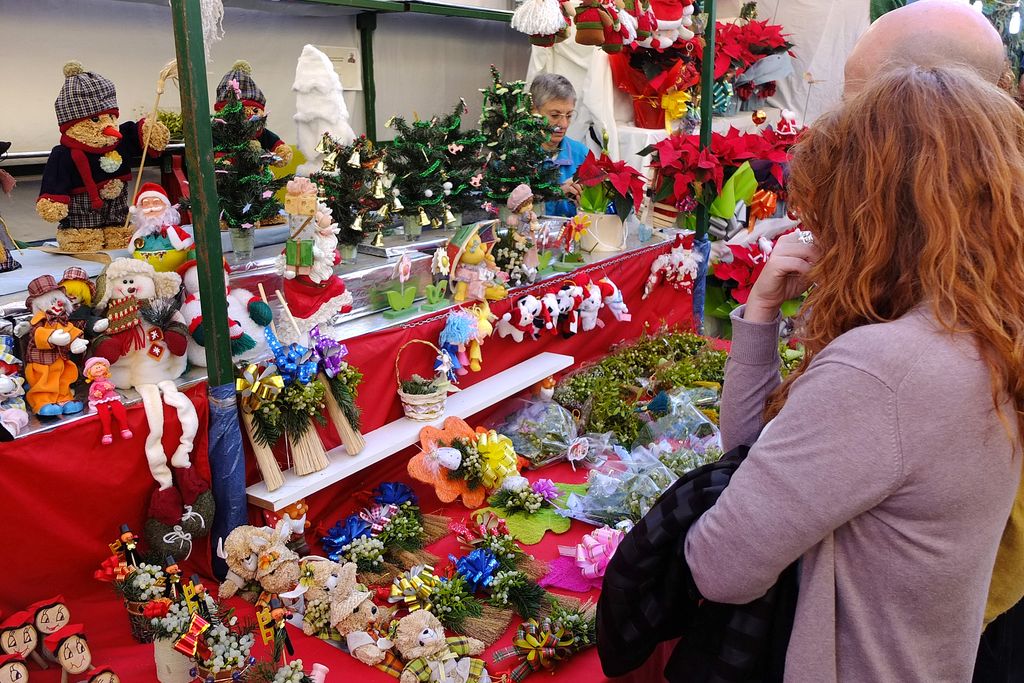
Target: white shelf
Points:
(402, 433)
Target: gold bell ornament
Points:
(397, 205)
(449, 217)
(434, 223)
(357, 224)
(353, 160)
(379, 168)
(424, 221)
(378, 239)
(378, 190)
(384, 211)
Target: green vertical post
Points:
(366, 22)
(195, 112)
(707, 104)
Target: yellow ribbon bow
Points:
(675, 104)
(415, 587)
(498, 456)
(256, 386)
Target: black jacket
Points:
(649, 597)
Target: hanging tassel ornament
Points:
(212, 15)
(353, 160)
(357, 224)
(424, 221)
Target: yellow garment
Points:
(1007, 587)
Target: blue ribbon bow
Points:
(343, 533)
(394, 493)
(295, 362)
(477, 568)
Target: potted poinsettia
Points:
(607, 183)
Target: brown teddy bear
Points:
(431, 658)
(255, 104)
(85, 183)
(361, 622)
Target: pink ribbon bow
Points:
(378, 516)
(594, 552)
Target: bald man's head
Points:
(926, 33)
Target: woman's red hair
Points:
(914, 191)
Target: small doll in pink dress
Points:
(105, 399)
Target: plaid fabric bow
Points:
(378, 517)
(538, 646)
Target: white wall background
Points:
(423, 63)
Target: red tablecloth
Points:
(66, 495)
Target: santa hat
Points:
(607, 287)
(94, 675)
(250, 93)
(150, 191)
(669, 13)
(53, 641)
(8, 659)
(84, 94)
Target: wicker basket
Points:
(137, 621)
(421, 407)
(204, 675)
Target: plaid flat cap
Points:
(84, 94)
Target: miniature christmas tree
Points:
(351, 183)
(515, 138)
(465, 160)
(416, 158)
(245, 185)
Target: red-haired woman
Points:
(888, 463)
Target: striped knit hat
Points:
(83, 95)
(251, 95)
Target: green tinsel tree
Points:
(351, 176)
(416, 158)
(245, 185)
(515, 139)
(465, 159)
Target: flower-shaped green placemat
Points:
(530, 529)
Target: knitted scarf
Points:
(126, 323)
(81, 161)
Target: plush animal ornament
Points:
(49, 369)
(430, 657)
(255, 104)
(545, 21)
(613, 300)
(146, 346)
(473, 273)
(643, 16)
(71, 651)
(85, 182)
(248, 316)
(158, 237)
(518, 321)
(618, 33)
(362, 623)
(82, 292)
(592, 23)
(590, 306)
(569, 297)
(548, 319)
(241, 550)
(278, 569)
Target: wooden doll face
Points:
(52, 619)
(13, 672)
(73, 655)
(104, 677)
(21, 640)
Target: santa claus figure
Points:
(158, 237)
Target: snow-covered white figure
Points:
(319, 107)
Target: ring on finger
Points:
(805, 237)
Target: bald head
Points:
(926, 33)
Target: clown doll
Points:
(13, 669)
(81, 291)
(71, 651)
(255, 104)
(49, 370)
(105, 399)
(158, 237)
(18, 636)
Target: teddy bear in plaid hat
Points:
(85, 182)
(255, 104)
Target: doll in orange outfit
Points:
(105, 399)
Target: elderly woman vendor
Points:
(555, 98)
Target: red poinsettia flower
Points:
(744, 269)
(626, 182)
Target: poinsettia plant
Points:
(609, 182)
(739, 45)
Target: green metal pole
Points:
(707, 102)
(366, 22)
(195, 111)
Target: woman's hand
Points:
(571, 189)
(783, 277)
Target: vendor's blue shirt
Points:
(571, 154)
